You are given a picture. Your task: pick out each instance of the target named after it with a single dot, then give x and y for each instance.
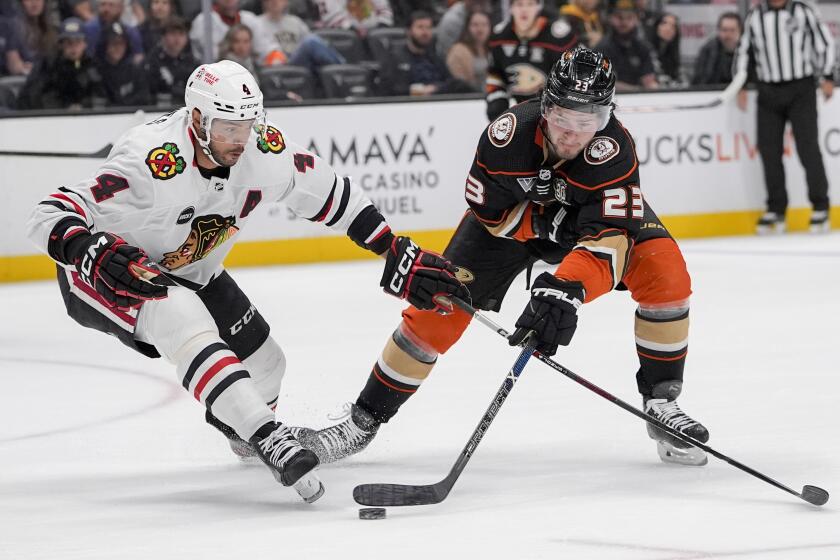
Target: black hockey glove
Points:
(420, 277)
(551, 314)
(117, 271)
(548, 222)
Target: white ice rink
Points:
(104, 456)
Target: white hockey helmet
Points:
(227, 93)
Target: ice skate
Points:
(291, 464)
(820, 222)
(662, 405)
(342, 440)
(770, 223)
(241, 448)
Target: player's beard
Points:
(227, 157)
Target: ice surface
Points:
(104, 456)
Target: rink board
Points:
(700, 170)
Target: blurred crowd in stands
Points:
(107, 53)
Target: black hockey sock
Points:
(383, 395)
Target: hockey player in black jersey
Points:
(557, 180)
(522, 51)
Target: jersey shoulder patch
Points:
(600, 150)
(609, 158)
(561, 28)
(501, 131)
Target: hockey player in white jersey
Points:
(140, 248)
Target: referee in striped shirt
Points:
(790, 49)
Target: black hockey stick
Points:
(418, 495)
(811, 494)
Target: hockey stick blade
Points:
(388, 495)
(814, 495)
(411, 495)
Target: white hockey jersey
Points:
(149, 191)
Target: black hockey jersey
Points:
(600, 188)
(518, 67)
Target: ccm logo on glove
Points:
(407, 261)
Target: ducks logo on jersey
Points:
(270, 139)
(164, 161)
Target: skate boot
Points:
(770, 223)
(820, 222)
(342, 440)
(662, 405)
(291, 464)
(241, 448)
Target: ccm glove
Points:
(420, 277)
(117, 271)
(551, 315)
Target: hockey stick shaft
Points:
(409, 495)
(101, 153)
(811, 494)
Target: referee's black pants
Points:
(794, 101)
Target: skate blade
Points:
(309, 487)
(690, 456)
(818, 229)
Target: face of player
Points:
(161, 9)
(421, 32)
(588, 6)
(570, 131)
(729, 33)
(228, 140)
(479, 27)
(524, 13)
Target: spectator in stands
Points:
(238, 46)
(31, 37)
(123, 79)
(632, 57)
(714, 62)
(359, 15)
(70, 80)
(665, 41)
(151, 30)
(467, 59)
(286, 37)
(454, 21)
(415, 68)
(108, 12)
(225, 14)
(82, 9)
(6, 45)
(647, 18)
(169, 65)
(585, 19)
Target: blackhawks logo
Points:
(206, 233)
(270, 140)
(164, 161)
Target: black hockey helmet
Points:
(582, 80)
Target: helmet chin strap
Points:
(205, 144)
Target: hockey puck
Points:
(372, 513)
